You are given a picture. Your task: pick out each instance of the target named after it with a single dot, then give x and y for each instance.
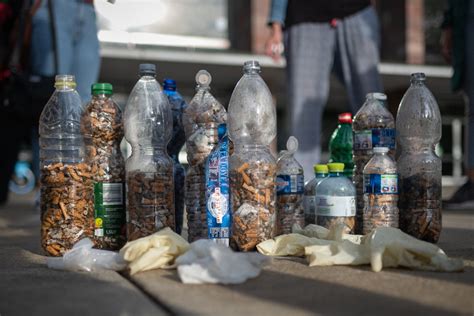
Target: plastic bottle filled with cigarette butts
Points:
(290, 189)
(419, 168)
(380, 191)
(178, 105)
(309, 202)
(67, 196)
(201, 120)
(102, 123)
(373, 126)
(252, 127)
(148, 124)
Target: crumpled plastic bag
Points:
(158, 250)
(383, 247)
(82, 257)
(208, 262)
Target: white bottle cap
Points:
(203, 78)
(381, 150)
(292, 144)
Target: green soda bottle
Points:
(340, 144)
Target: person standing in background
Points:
(319, 37)
(457, 47)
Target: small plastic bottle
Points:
(149, 170)
(290, 189)
(201, 120)
(252, 127)
(67, 194)
(102, 123)
(418, 132)
(335, 200)
(309, 203)
(380, 191)
(178, 105)
(340, 144)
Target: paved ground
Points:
(28, 287)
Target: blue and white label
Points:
(381, 183)
(375, 137)
(290, 184)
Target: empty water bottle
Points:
(320, 172)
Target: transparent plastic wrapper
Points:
(380, 191)
(290, 189)
(218, 190)
(340, 144)
(309, 200)
(200, 119)
(67, 197)
(149, 170)
(178, 105)
(419, 168)
(335, 200)
(252, 127)
(102, 123)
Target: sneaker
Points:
(462, 198)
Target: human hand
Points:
(274, 44)
(447, 44)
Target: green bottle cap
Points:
(320, 168)
(101, 88)
(336, 167)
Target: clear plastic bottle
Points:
(380, 191)
(252, 127)
(201, 120)
(102, 123)
(178, 105)
(335, 200)
(340, 144)
(67, 196)
(373, 126)
(149, 170)
(419, 168)
(309, 202)
(290, 189)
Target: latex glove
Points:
(155, 251)
(208, 262)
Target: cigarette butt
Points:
(246, 178)
(64, 210)
(243, 167)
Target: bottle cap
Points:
(292, 144)
(252, 66)
(169, 84)
(147, 70)
(203, 78)
(64, 80)
(380, 150)
(345, 117)
(380, 96)
(101, 88)
(320, 168)
(418, 76)
(336, 167)
(221, 130)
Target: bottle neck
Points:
(148, 150)
(320, 175)
(101, 96)
(333, 174)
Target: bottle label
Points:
(290, 184)
(381, 183)
(309, 204)
(109, 210)
(342, 206)
(375, 137)
(217, 193)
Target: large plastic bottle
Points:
(67, 202)
(178, 105)
(335, 200)
(373, 126)
(380, 191)
(102, 122)
(309, 203)
(149, 170)
(418, 132)
(290, 189)
(252, 127)
(201, 120)
(340, 144)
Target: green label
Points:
(109, 211)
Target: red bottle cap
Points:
(345, 117)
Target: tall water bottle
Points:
(178, 105)
(373, 126)
(149, 170)
(252, 127)
(67, 196)
(309, 202)
(201, 120)
(418, 132)
(340, 144)
(380, 191)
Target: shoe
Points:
(462, 198)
